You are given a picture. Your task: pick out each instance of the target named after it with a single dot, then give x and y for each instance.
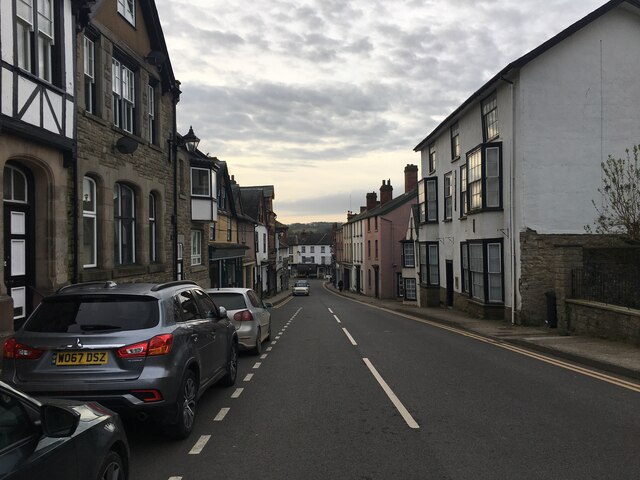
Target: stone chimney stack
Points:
(410, 177)
(372, 200)
(386, 192)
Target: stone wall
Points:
(603, 321)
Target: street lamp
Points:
(191, 141)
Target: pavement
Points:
(607, 355)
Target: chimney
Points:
(350, 215)
(410, 177)
(363, 209)
(386, 192)
(372, 200)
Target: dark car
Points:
(59, 439)
(143, 349)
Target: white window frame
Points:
(464, 198)
(120, 227)
(124, 92)
(410, 289)
(36, 21)
(474, 179)
(448, 196)
(429, 264)
(432, 158)
(197, 188)
(153, 229)
(151, 114)
(127, 8)
(90, 219)
(196, 247)
(409, 255)
(229, 229)
(431, 199)
(494, 273)
(476, 270)
(89, 75)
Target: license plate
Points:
(81, 358)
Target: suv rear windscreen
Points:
(108, 313)
(230, 301)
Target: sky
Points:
(325, 99)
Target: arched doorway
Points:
(18, 239)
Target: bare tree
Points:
(619, 212)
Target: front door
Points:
(449, 272)
(18, 254)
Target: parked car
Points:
(249, 314)
(59, 439)
(143, 349)
(301, 287)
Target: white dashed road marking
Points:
(237, 393)
(330, 311)
(263, 356)
(269, 349)
(197, 448)
(353, 342)
(248, 377)
(337, 319)
(257, 365)
(221, 414)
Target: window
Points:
(431, 196)
(484, 178)
(322, 249)
(303, 249)
(429, 264)
(153, 234)
(124, 207)
(229, 230)
(368, 248)
(151, 114)
(312, 249)
(410, 289)
(464, 199)
(212, 231)
(89, 75)
(432, 158)
(408, 255)
(222, 197)
(369, 224)
(422, 205)
(490, 118)
(376, 223)
(482, 272)
(376, 248)
(448, 196)
(200, 182)
(127, 9)
(123, 86)
(36, 26)
(455, 141)
(196, 247)
(15, 185)
(89, 223)
(264, 243)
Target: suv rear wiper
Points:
(99, 327)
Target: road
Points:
(347, 391)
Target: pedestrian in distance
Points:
(340, 285)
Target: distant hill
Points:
(313, 227)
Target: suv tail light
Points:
(158, 345)
(13, 349)
(243, 316)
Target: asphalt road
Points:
(346, 391)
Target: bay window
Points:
(482, 270)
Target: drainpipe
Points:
(512, 233)
(173, 156)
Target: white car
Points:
(301, 287)
(249, 314)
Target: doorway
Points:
(449, 274)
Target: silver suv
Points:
(146, 349)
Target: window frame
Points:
(489, 112)
(90, 94)
(196, 248)
(152, 126)
(123, 94)
(119, 221)
(481, 155)
(448, 196)
(90, 215)
(408, 255)
(431, 198)
(208, 173)
(153, 228)
(432, 158)
(38, 39)
(429, 267)
(486, 277)
(464, 199)
(410, 288)
(455, 141)
(127, 9)
(229, 229)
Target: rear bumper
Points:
(247, 334)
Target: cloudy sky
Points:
(324, 99)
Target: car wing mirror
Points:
(222, 312)
(58, 421)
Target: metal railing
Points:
(615, 288)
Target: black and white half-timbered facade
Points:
(37, 138)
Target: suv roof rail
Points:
(174, 283)
(107, 284)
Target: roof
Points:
(310, 239)
(387, 207)
(251, 201)
(520, 62)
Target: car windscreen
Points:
(301, 284)
(230, 301)
(95, 314)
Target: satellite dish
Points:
(126, 145)
(156, 57)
